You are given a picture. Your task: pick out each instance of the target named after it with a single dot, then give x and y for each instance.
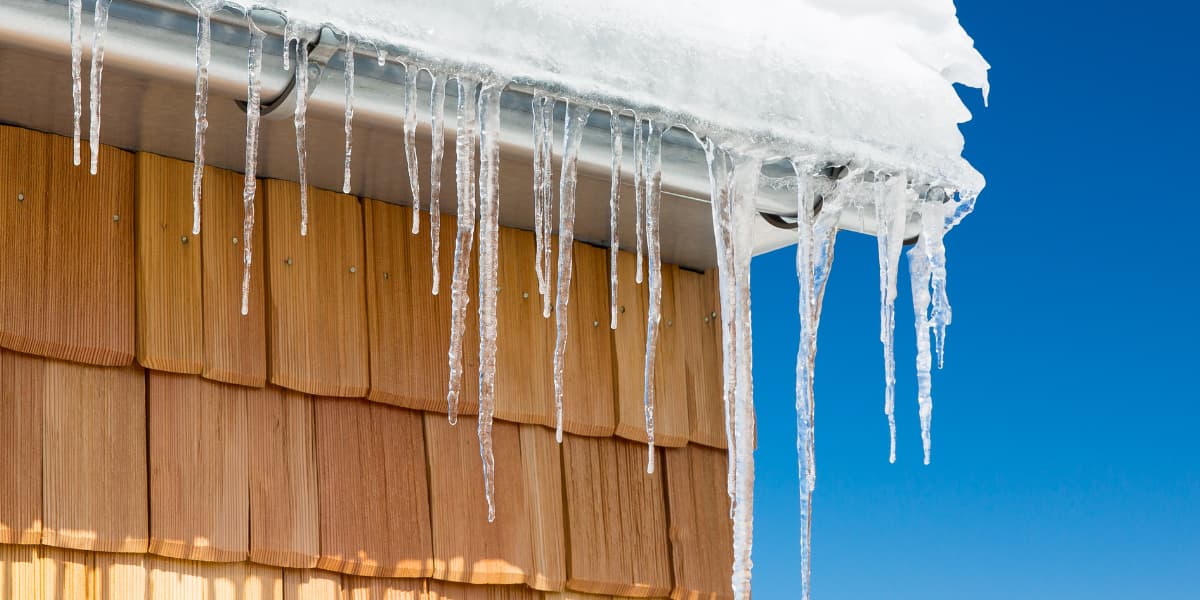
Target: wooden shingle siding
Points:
(541, 464)
(317, 305)
(19, 573)
(525, 342)
(68, 241)
(170, 317)
(283, 479)
(616, 519)
(441, 590)
(409, 325)
(94, 458)
(701, 532)
(466, 547)
(589, 403)
(21, 381)
(374, 501)
(699, 318)
(235, 345)
(65, 574)
(629, 349)
(310, 584)
(199, 502)
(170, 579)
(382, 588)
(119, 576)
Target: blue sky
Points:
(1066, 459)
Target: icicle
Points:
(204, 10)
(489, 235)
(543, 192)
(464, 146)
(381, 56)
(75, 20)
(954, 212)
(919, 270)
(348, 75)
(654, 313)
(890, 216)
(410, 142)
(437, 108)
(639, 193)
(573, 127)
(292, 35)
(614, 197)
(814, 259)
(100, 27)
(718, 178)
(253, 105)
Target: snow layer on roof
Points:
(866, 80)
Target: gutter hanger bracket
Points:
(320, 51)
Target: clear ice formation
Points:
(410, 142)
(294, 36)
(614, 198)
(99, 28)
(204, 10)
(891, 214)
(576, 121)
(75, 24)
(653, 195)
(489, 235)
(437, 110)
(464, 147)
(543, 192)
(348, 77)
(639, 192)
(253, 108)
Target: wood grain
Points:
(119, 576)
(699, 308)
(199, 505)
(616, 519)
(374, 500)
(171, 579)
(170, 330)
(21, 383)
(629, 349)
(283, 479)
(466, 547)
(310, 584)
(235, 345)
(409, 326)
(67, 243)
(589, 403)
(701, 532)
(94, 487)
(525, 341)
(444, 590)
(65, 574)
(541, 462)
(317, 310)
(20, 576)
(382, 588)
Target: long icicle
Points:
(576, 121)
(544, 195)
(100, 27)
(955, 211)
(253, 108)
(464, 147)
(639, 192)
(489, 235)
(437, 110)
(614, 203)
(539, 147)
(742, 214)
(814, 259)
(204, 11)
(410, 142)
(348, 77)
(292, 35)
(653, 180)
(890, 216)
(75, 22)
(718, 177)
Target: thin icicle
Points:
(890, 216)
(348, 76)
(437, 108)
(742, 213)
(293, 35)
(543, 193)
(919, 269)
(719, 181)
(99, 28)
(654, 313)
(489, 235)
(614, 197)
(573, 127)
(253, 106)
(75, 20)
(639, 192)
(955, 211)
(814, 259)
(204, 10)
(410, 142)
(464, 146)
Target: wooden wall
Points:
(155, 443)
